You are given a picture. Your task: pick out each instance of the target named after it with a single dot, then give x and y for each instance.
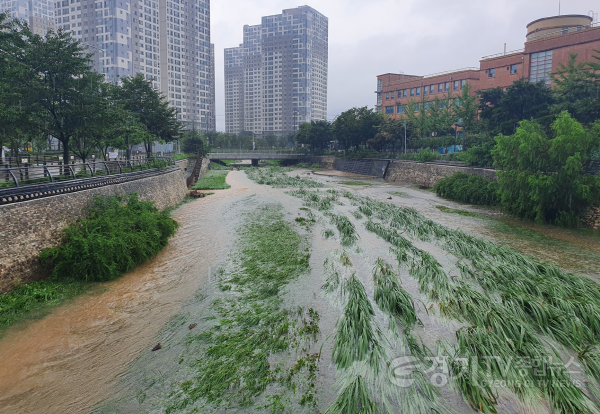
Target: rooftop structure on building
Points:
(549, 42)
(277, 78)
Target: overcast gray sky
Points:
(371, 37)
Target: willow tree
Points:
(541, 177)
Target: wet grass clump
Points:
(35, 299)
(275, 177)
(472, 189)
(213, 180)
(465, 213)
(522, 300)
(118, 234)
(233, 365)
(353, 183)
(345, 227)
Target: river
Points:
(94, 352)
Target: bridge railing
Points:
(38, 174)
(256, 151)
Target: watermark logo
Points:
(523, 372)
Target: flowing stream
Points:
(94, 353)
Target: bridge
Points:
(255, 156)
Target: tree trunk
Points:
(65, 153)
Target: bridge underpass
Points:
(255, 156)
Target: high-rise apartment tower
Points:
(38, 13)
(277, 79)
(166, 40)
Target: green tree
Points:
(576, 89)
(194, 142)
(356, 126)
(502, 110)
(15, 110)
(151, 107)
(316, 134)
(466, 109)
(542, 178)
(59, 78)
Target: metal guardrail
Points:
(559, 32)
(25, 183)
(450, 71)
(503, 54)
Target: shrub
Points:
(465, 188)
(426, 154)
(541, 176)
(120, 233)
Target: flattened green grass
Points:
(232, 367)
(353, 183)
(465, 213)
(213, 180)
(36, 299)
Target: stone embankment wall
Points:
(592, 218)
(29, 227)
(182, 164)
(419, 173)
(325, 161)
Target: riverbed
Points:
(94, 354)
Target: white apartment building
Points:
(284, 63)
(38, 13)
(166, 40)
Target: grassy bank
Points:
(118, 234)
(213, 180)
(36, 299)
(233, 365)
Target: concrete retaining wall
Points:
(419, 173)
(29, 227)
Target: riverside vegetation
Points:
(541, 176)
(118, 234)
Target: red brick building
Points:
(550, 42)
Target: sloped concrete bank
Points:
(29, 227)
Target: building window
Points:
(425, 90)
(446, 86)
(379, 85)
(400, 109)
(404, 93)
(440, 88)
(392, 95)
(455, 85)
(541, 67)
(513, 69)
(418, 91)
(389, 110)
(387, 96)
(463, 83)
(492, 73)
(412, 92)
(432, 89)
(565, 30)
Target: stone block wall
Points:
(592, 218)
(29, 227)
(419, 173)
(325, 161)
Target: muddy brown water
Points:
(93, 354)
